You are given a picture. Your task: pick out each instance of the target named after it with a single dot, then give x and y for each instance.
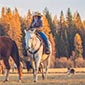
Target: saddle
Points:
(40, 38)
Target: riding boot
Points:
(47, 51)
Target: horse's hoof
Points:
(43, 77)
(35, 81)
(5, 81)
(19, 81)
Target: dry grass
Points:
(53, 78)
(64, 70)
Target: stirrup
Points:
(47, 51)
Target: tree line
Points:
(66, 33)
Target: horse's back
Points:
(5, 40)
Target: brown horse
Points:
(9, 48)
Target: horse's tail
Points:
(16, 58)
(15, 48)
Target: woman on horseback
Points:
(37, 24)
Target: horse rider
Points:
(37, 24)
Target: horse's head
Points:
(32, 41)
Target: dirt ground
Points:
(53, 79)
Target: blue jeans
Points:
(45, 39)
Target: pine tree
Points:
(71, 30)
(62, 38)
(55, 21)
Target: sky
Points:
(54, 6)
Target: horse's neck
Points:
(36, 42)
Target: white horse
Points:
(38, 59)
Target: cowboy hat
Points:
(37, 14)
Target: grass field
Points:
(53, 79)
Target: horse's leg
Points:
(46, 67)
(16, 58)
(2, 67)
(33, 67)
(42, 68)
(46, 71)
(17, 62)
(37, 62)
(6, 62)
(34, 70)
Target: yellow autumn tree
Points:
(4, 20)
(47, 31)
(77, 20)
(4, 17)
(46, 27)
(13, 20)
(78, 45)
(17, 28)
(28, 19)
(10, 17)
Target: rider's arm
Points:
(39, 26)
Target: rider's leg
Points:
(45, 39)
